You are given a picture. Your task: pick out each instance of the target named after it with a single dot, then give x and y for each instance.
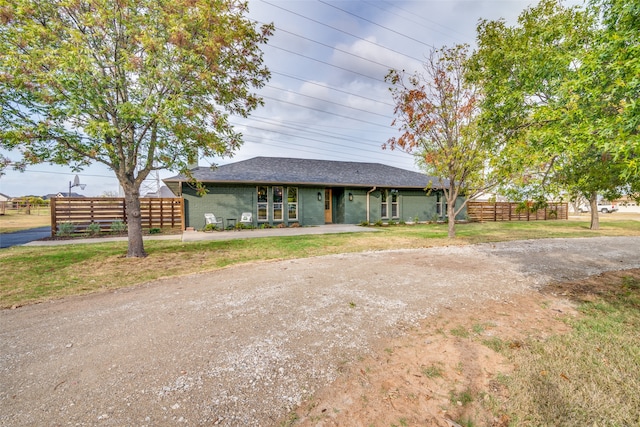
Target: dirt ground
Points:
(411, 382)
(348, 340)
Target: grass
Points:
(588, 376)
(14, 220)
(35, 274)
(432, 371)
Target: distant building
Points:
(61, 194)
(164, 192)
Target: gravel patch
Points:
(246, 344)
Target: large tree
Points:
(609, 82)
(137, 85)
(436, 113)
(541, 108)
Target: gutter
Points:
(368, 202)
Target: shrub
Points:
(118, 226)
(294, 225)
(158, 231)
(282, 225)
(378, 223)
(208, 227)
(364, 223)
(66, 228)
(93, 228)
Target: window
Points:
(292, 203)
(394, 204)
(441, 205)
(275, 197)
(384, 205)
(277, 203)
(263, 204)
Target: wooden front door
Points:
(328, 207)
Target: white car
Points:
(607, 207)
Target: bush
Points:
(158, 231)
(66, 228)
(208, 227)
(93, 228)
(118, 226)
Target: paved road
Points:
(21, 237)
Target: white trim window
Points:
(384, 204)
(394, 204)
(441, 205)
(263, 203)
(278, 203)
(292, 203)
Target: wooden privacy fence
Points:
(162, 213)
(510, 211)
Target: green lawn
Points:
(34, 274)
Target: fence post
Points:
(182, 220)
(52, 210)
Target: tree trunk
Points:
(451, 217)
(593, 207)
(134, 223)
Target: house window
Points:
(384, 205)
(277, 203)
(263, 204)
(394, 204)
(292, 203)
(441, 205)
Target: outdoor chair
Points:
(246, 219)
(210, 218)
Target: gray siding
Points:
(417, 204)
(310, 209)
(223, 202)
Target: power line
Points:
(329, 102)
(324, 112)
(331, 88)
(376, 24)
(394, 5)
(332, 47)
(325, 62)
(341, 31)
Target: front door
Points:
(328, 207)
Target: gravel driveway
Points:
(244, 345)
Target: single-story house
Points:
(309, 192)
(61, 194)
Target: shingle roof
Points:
(278, 170)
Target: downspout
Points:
(368, 203)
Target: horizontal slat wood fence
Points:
(508, 211)
(163, 213)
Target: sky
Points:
(327, 98)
